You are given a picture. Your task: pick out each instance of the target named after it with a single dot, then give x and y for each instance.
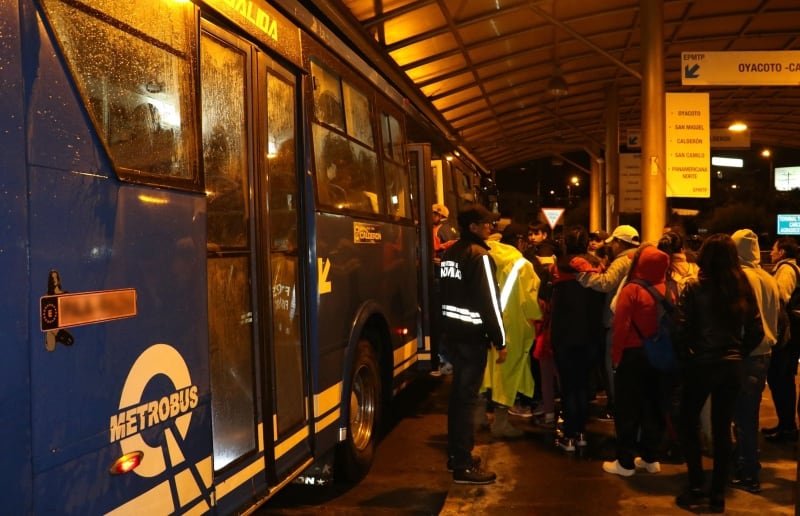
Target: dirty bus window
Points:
(135, 77)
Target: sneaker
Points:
(581, 440)
(751, 485)
(521, 411)
(476, 462)
(446, 368)
(607, 416)
(782, 436)
(770, 430)
(548, 421)
(566, 444)
(617, 469)
(651, 467)
(473, 475)
(691, 498)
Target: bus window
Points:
(346, 173)
(357, 115)
(224, 145)
(327, 97)
(135, 77)
(397, 184)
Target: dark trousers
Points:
(574, 368)
(746, 415)
(780, 377)
(468, 355)
(722, 380)
(639, 416)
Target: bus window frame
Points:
(193, 181)
(322, 59)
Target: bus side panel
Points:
(109, 387)
(134, 383)
(15, 479)
(381, 268)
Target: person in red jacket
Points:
(639, 420)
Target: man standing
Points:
(519, 303)
(444, 235)
(622, 243)
(783, 366)
(473, 322)
(756, 364)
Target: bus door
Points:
(255, 305)
(419, 158)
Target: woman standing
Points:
(639, 419)
(717, 324)
(576, 333)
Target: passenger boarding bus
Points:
(210, 254)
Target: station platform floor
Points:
(537, 478)
(534, 477)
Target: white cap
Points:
(626, 234)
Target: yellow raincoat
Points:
(519, 288)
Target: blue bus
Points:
(213, 255)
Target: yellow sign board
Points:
(759, 68)
(688, 171)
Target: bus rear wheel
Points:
(364, 399)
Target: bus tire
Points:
(364, 414)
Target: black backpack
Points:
(793, 305)
(545, 273)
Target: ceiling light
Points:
(557, 86)
(737, 127)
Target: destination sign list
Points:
(688, 145)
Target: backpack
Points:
(793, 305)
(545, 273)
(658, 347)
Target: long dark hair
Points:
(721, 273)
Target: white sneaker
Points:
(581, 440)
(617, 469)
(651, 467)
(446, 368)
(566, 444)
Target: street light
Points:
(573, 181)
(768, 154)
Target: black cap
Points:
(476, 214)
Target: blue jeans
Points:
(745, 416)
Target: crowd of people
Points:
(528, 320)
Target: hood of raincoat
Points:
(652, 265)
(747, 247)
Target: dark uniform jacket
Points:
(470, 300)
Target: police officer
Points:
(473, 321)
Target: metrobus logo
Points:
(136, 419)
(137, 414)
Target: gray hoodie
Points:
(764, 286)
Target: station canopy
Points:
(514, 80)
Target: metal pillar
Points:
(596, 193)
(654, 184)
(612, 158)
